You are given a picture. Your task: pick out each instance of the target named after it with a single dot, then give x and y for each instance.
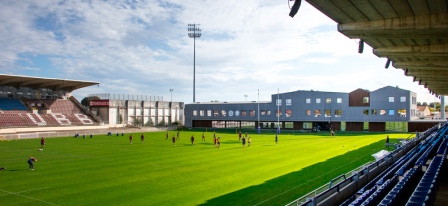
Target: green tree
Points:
(425, 104)
(86, 100)
(120, 119)
(161, 123)
(419, 104)
(138, 121)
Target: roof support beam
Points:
(424, 51)
(428, 65)
(34, 81)
(434, 26)
(437, 73)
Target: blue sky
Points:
(142, 47)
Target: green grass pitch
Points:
(109, 171)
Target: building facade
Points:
(388, 108)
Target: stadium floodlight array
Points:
(196, 34)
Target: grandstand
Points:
(410, 175)
(34, 101)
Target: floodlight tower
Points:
(246, 96)
(171, 90)
(196, 34)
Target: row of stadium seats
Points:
(11, 104)
(387, 188)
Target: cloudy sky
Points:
(142, 47)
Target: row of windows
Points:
(339, 100)
(288, 113)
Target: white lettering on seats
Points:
(62, 120)
(42, 121)
(84, 119)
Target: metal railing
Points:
(138, 97)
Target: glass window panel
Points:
(268, 112)
(391, 112)
(308, 112)
(316, 113)
(391, 99)
(339, 100)
(288, 102)
(402, 113)
(252, 113)
(374, 112)
(327, 113)
(278, 113)
(337, 113)
(216, 113)
(308, 101)
(402, 99)
(263, 112)
(328, 100)
(318, 100)
(243, 113)
(201, 113)
(209, 113)
(289, 125)
(365, 100)
(278, 102)
(195, 113)
(307, 125)
(366, 112)
(288, 113)
(382, 112)
(223, 113)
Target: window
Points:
(391, 112)
(366, 126)
(243, 113)
(215, 113)
(289, 125)
(266, 124)
(391, 99)
(195, 113)
(397, 126)
(288, 113)
(402, 99)
(374, 112)
(339, 100)
(401, 113)
(252, 113)
(268, 112)
(365, 100)
(328, 100)
(288, 102)
(232, 124)
(366, 112)
(248, 125)
(382, 112)
(277, 124)
(223, 113)
(308, 100)
(209, 113)
(308, 112)
(218, 124)
(201, 113)
(316, 113)
(317, 100)
(263, 112)
(278, 102)
(278, 113)
(307, 125)
(337, 113)
(327, 113)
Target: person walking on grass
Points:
(387, 142)
(249, 142)
(215, 141)
(143, 138)
(30, 162)
(244, 142)
(219, 142)
(192, 140)
(276, 140)
(167, 136)
(174, 140)
(42, 142)
(178, 135)
(203, 136)
(130, 139)
(239, 135)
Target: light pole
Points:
(258, 128)
(246, 96)
(278, 112)
(196, 34)
(171, 90)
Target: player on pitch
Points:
(42, 142)
(192, 140)
(142, 137)
(203, 136)
(167, 136)
(174, 140)
(178, 135)
(30, 162)
(130, 139)
(239, 135)
(276, 139)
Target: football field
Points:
(107, 170)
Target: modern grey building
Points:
(385, 109)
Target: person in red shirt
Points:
(192, 140)
(239, 136)
(143, 138)
(203, 136)
(167, 136)
(214, 140)
(130, 139)
(178, 135)
(174, 140)
(42, 142)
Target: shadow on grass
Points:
(287, 188)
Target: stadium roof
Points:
(413, 35)
(43, 83)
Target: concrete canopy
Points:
(43, 83)
(413, 34)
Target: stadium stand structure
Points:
(409, 176)
(45, 112)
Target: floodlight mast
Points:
(196, 34)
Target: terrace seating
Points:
(11, 104)
(62, 106)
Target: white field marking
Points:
(28, 197)
(306, 182)
(27, 191)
